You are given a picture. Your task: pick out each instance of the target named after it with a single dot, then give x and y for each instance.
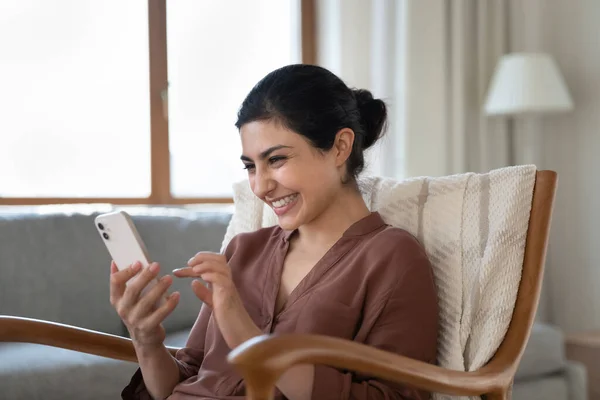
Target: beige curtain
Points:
(452, 48)
(432, 61)
(362, 42)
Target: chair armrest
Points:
(27, 330)
(263, 359)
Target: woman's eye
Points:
(249, 167)
(275, 159)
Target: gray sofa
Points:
(53, 266)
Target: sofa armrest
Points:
(544, 353)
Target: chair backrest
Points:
(506, 359)
(475, 229)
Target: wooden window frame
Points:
(160, 172)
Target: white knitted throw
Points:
(473, 227)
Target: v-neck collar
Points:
(362, 227)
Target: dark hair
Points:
(316, 104)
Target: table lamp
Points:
(526, 84)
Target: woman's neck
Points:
(345, 210)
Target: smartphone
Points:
(123, 242)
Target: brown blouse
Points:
(374, 286)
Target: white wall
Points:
(570, 145)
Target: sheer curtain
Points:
(432, 62)
(362, 41)
(451, 52)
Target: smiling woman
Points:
(329, 267)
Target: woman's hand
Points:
(140, 313)
(231, 316)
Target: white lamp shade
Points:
(527, 83)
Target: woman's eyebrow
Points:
(266, 153)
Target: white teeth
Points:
(284, 201)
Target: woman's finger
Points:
(202, 292)
(148, 301)
(186, 272)
(205, 256)
(121, 277)
(133, 290)
(199, 269)
(162, 312)
(217, 281)
(118, 280)
(211, 266)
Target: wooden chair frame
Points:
(263, 359)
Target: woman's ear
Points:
(344, 140)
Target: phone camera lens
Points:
(105, 235)
(101, 227)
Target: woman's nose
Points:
(263, 184)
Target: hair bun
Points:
(373, 116)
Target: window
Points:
(214, 58)
(88, 115)
(75, 116)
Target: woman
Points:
(330, 267)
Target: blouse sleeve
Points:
(407, 325)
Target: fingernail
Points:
(136, 265)
(191, 260)
(165, 278)
(174, 294)
(153, 267)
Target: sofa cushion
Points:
(177, 339)
(553, 387)
(544, 353)
(30, 371)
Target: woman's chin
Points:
(288, 223)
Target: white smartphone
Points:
(123, 241)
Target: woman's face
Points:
(285, 171)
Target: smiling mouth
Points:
(284, 202)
